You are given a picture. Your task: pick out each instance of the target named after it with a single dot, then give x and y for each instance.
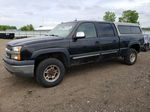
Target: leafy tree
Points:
(109, 16)
(6, 27)
(27, 28)
(129, 16)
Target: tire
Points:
(50, 72)
(131, 57)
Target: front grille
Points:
(8, 55)
(8, 48)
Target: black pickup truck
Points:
(72, 43)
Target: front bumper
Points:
(19, 68)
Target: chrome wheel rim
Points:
(51, 73)
(132, 57)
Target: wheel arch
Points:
(135, 46)
(60, 54)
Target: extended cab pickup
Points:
(72, 43)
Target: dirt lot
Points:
(101, 87)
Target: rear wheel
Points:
(131, 57)
(50, 72)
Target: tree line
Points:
(23, 28)
(129, 16)
(5, 27)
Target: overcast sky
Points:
(52, 12)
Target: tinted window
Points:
(88, 29)
(124, 29)
(105, 30)
(135, 30)
(129, 29)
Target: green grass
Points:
(148, 29)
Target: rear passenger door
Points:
(108, 38)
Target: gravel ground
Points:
(100, 87)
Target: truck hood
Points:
(33, 40)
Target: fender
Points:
(133, 43)
(123, 52)
(52, 50)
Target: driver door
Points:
(85, 49)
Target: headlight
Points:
(17, 48)
(16, 57)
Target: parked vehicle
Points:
(72, 43)
(7, 35)
(146, 42)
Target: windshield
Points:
(62, 30)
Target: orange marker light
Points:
(19, 57)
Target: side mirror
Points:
(80, 35)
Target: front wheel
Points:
(50, 72)
(131, 57)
